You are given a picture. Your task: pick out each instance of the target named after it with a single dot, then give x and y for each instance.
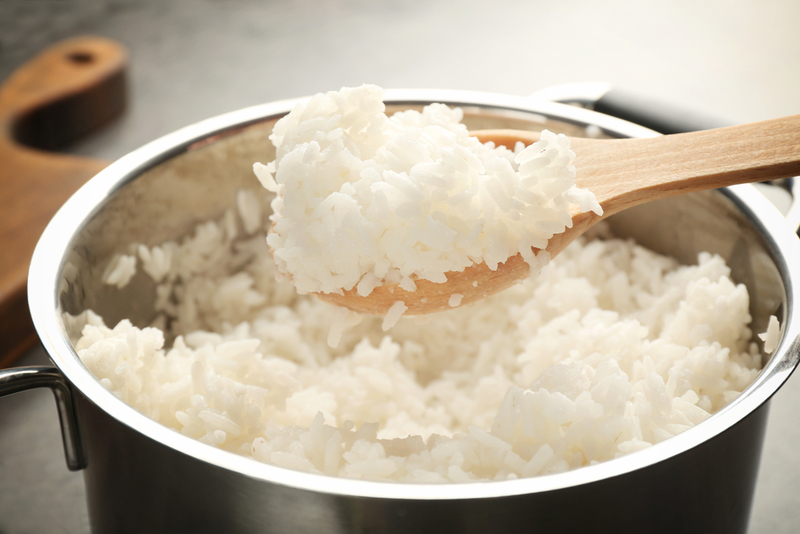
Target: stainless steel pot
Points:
(142, 477)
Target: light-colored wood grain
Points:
(622, 173)
(67, 91)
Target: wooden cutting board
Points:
(69, 90)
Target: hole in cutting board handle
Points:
(80, 58)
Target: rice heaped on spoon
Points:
(364, 199)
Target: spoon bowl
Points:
(621, 173)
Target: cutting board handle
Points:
(69, 90)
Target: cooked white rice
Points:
(120, 270)
(364, 199)
(610, 350)
(772, 336)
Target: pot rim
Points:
(48, 260)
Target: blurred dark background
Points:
(738, 60)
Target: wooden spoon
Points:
(621, 173)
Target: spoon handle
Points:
(626, 172)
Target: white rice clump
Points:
(772, 336)
(120, 270)
(364, 199)
(611, 349)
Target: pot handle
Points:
(660, 116)
(663, 117)
(24, 378)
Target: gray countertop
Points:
(738, 60)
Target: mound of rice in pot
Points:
(611, 349)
